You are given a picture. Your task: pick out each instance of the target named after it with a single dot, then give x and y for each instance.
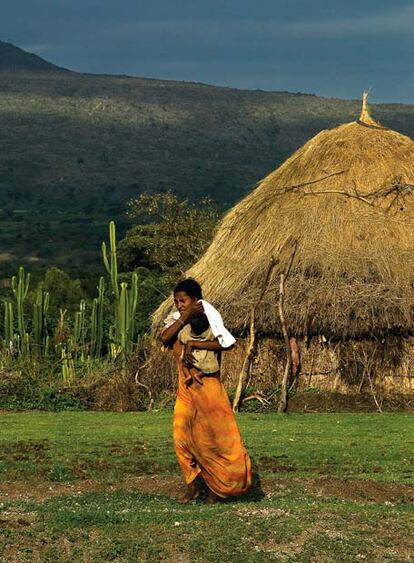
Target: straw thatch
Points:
(346, 199)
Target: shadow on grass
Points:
(254, 494)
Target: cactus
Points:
(20, 288)
(68, 368)
(122, 324)
(79, 330)
(97, 320)
(46, 346)
(40, 308)
(111, 265)
(25, 346)
(132, 308)
(8, 326)
(94, 329)
(122, 333)
(86, 341)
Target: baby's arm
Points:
(190, 373)
(196, 375)
(187, 375)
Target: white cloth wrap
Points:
(225, 338)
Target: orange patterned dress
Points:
(207, 439)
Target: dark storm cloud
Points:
(332, 48)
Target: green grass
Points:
(102, 487)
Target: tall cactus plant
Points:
(111, 263)
(80, 331)
(68, 368)
(122, 332)
(20, 287)
(40, 307)
(9, 335)
(97, 320)
(132, 310)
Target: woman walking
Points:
(206, 436)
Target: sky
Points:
(326, 47)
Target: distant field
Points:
(38, 240)
(103, 487)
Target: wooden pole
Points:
(252, 343)
(284, 396)
(248, 358)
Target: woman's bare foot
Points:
(212, 498)
(191, 493)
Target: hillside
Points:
(81, 141)
(13, 58)
(74, 147)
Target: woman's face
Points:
(183, 301)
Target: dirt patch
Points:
(154, 484)
(120, 450)
(83, 466)
(274, 464)
(291, 548)
(173, 487)
(25, 450)
(361, 490)
(16, 524)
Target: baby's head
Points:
(199, 323)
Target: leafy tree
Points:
(178, 233)
(134, 251)
(65, 292)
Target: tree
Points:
(65, 292)
(178, 233)
(134, 251)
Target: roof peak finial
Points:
(365, 117)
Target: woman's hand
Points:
(193, 309)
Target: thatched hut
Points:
(345, 203)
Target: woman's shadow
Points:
(255, 493)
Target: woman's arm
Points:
(169, 333)
(201, 345)
(206, 345)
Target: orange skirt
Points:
(207, 439)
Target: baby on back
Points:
(205, 361)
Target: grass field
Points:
(89, 486)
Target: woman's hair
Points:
(190, 287)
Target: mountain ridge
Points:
(84, 140)
(74, 147)
(15, 58)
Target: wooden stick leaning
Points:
(283, 401)
(252, 343)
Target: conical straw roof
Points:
(346, 201)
